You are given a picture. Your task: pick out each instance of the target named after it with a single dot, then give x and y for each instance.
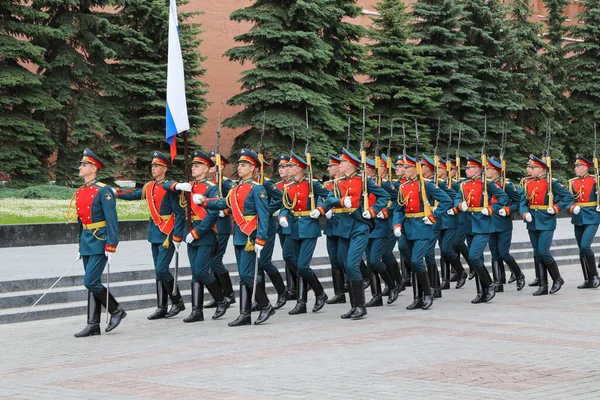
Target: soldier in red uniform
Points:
(585, 219)
(98, 238)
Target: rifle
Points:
(549, 163)
(424, 199)
(436, 158)
(261, 157)
(458, 154)
(218, 160)
(348, 136)
(486, 200)
(311, 189)
(403, 143)
(363, 161)
(293, 134)
(502, 160)
(377, 157)
(389, 151)
(596, 168)
(448, 164)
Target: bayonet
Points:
(377, 157)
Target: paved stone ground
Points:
(516, 347)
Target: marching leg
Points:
(161, 301)
(282, 293)
(212, 303)
(245, 307)
(177, 304)
(557, 280)
(93, 318)
(321, 297)
(266, 309)
(375, 284)
(114, 308)
(386, 274)
(425, 286)
(542, 277)
(352, 303)
(197, 313)
(417, 294)
(300, 307)
(217, 293)
(338, 287)
(359, 300)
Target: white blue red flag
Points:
(177, 115)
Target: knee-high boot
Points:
(300, 307)
(338, 287)
(245, 307)
(93, 318)
(197, 313)
(282, 293)
(375, 283)
(161, 301)
(542, 277)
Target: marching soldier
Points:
(287, 248)
(354, 225)
(249, 206)
(414, 220)
(265, 263)
(337, 270)
(98, 239)
(377, 245)
(224, 228)
(473, 201)
(501, 238)
(165, 231)
(447, 226)
(201, 240)
(540, 203)
(585, 219)
(297, 213)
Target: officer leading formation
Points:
(366, 213)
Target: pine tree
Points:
(398, 83)
(441, 40)
(24, 141)
(583, 80)
(289, 57)
(143, 66)
(78, 75)
(485, 29)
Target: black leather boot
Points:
(502, 269)
(320, 295)
(116, 312)
(542, 276)
(245, 307)
(480, 295)
(557, 280)
(406, 272)
(282, 293)
(93, 318)
(359, 300)
(197, 300)
(426, 289)
(266, 309)
(177, 304)
(586, 278)
(434, 280)
(512, 278)
(445, 273)
(497, 276)
(386, 274)
(460, 272)
(212, 303)
(291, 279)
(352, 304)
(225, 282)
(300, 307)
(536, 281)
(593, 271)
(396, 275)
(339, 297)
(488, 286)
(375, 283)
(365, 274)
(217, 293)
(516, 272)
(417, 294)
(161, 301)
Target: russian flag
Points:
(177, 115)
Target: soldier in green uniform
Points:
(96, 213)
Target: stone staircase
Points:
(136, 289)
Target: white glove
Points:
(427, 221)
(551, 210)
(576, 210)
(221, 213)
(258, 248)
(189, 238)
(598, 209)
(398, 232)
(315, 214)
(381, 215)
(329, 214)
(464, 206)
(528, 217)
(184, 187)
(276, 213)
(347, 202)
(485, 212)
(78, 256)
(108, 255)
(366, 214)
(198, 198)
(283, 222)
(502, 212)
(450, 211)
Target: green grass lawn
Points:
(34, 211)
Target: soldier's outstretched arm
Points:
(500, 194)
(380, 193)
(444, 201)
(562, 194)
